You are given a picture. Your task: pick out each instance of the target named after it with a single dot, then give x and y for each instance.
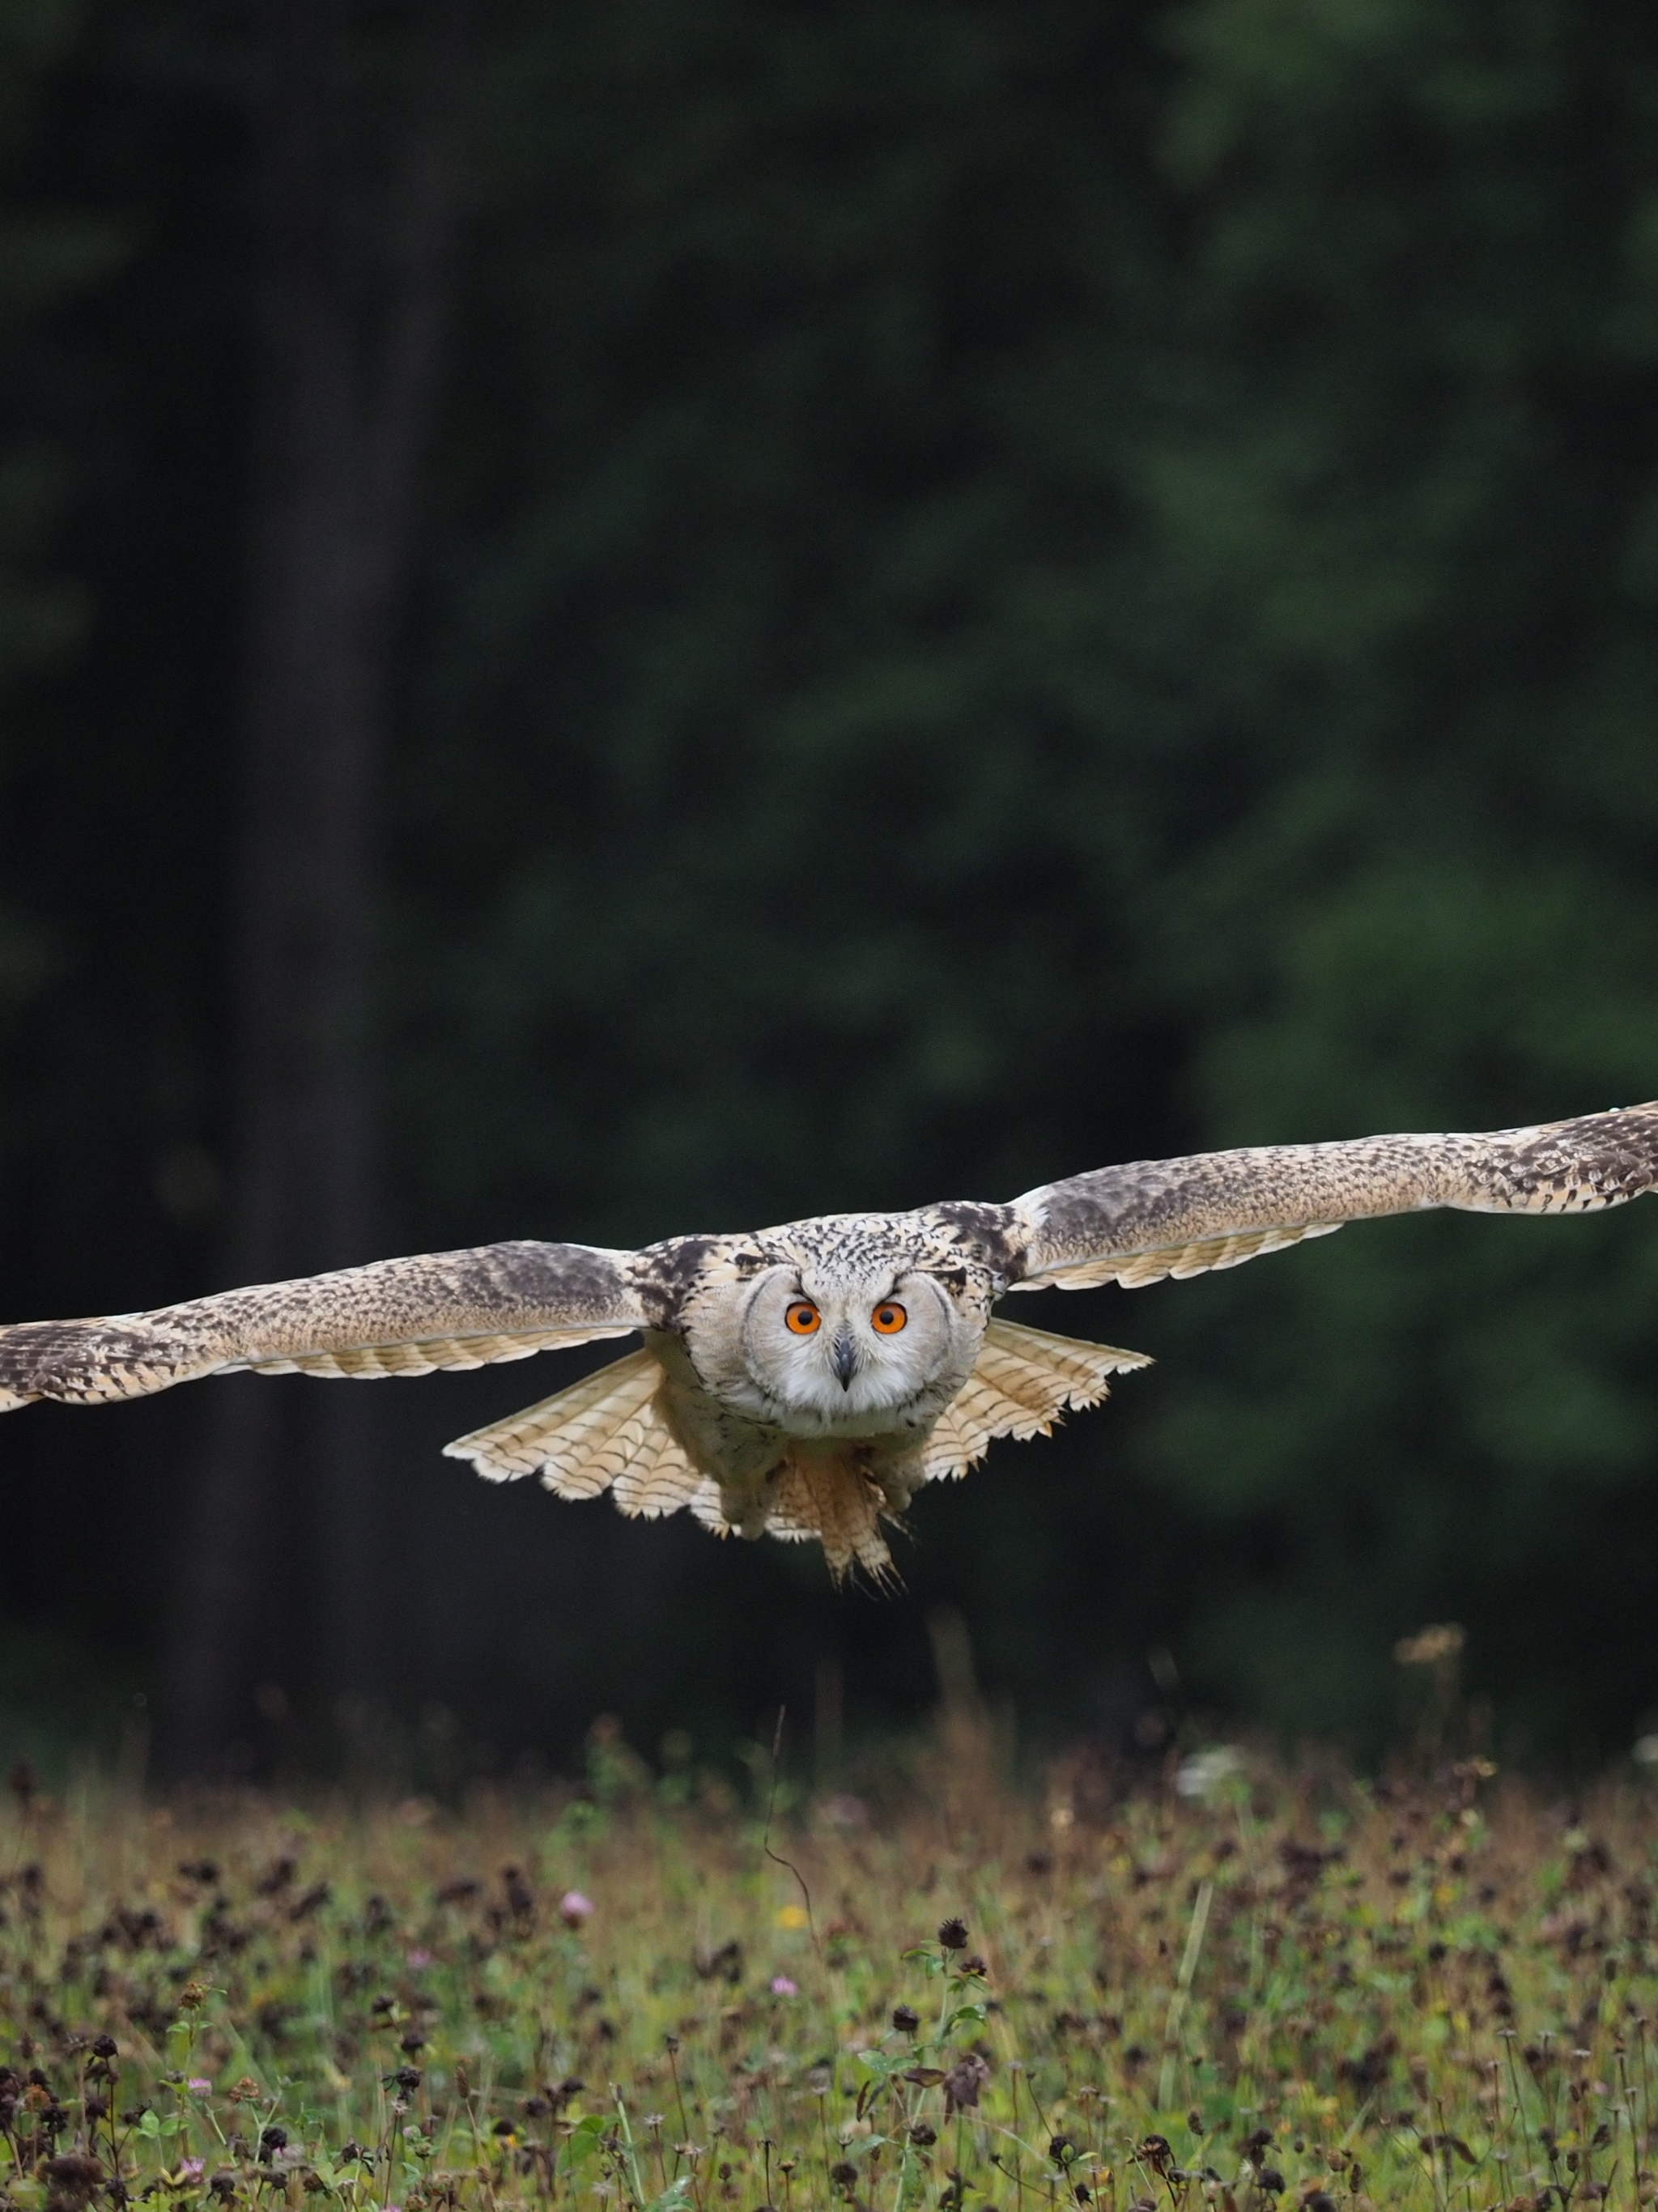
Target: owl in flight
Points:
(804, 1382)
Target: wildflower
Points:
(782, 1986)
(952, 1934)
(906, 2019)
(418, 1958)
(199, 2085)
(573, 1908)
(792, 1916)
(193, 2169)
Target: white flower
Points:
(1203, 1773)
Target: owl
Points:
(804, 1382)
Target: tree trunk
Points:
(281, 1584)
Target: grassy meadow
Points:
(1215, 1982)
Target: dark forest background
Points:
(617, 619)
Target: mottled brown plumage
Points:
(762, 1422)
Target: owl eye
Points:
(888, 1318)
(802, 1318)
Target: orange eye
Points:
(888, 1318)
(802, 1318)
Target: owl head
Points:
(851, 1355)
(845, 1342)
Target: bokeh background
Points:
(654, 615)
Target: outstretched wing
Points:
(1023, 1382)
(396, 1317)
(1151, 1219)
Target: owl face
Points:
(822, 1355)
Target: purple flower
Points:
(573, 1908)
(420, 1957)
(192, 2167)
(782, 1986)
(200, 2086)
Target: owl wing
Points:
(396, 1317)
(1150, 1218)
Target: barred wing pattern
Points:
(1150, 1219)
(605, 1432)
(396, 1317)
(1024, 1381)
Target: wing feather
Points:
(364, 1362)
(659, 1479)
(605, 1433)
(1150, 1219)
(1021, 1382)
(571, 1439)
(396, 1317)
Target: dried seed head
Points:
(964, 2084)
(1432, 1646)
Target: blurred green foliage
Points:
(1004, 586)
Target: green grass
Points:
(1297, 1988)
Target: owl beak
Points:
(844, 1359)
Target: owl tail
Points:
(605, 1433)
